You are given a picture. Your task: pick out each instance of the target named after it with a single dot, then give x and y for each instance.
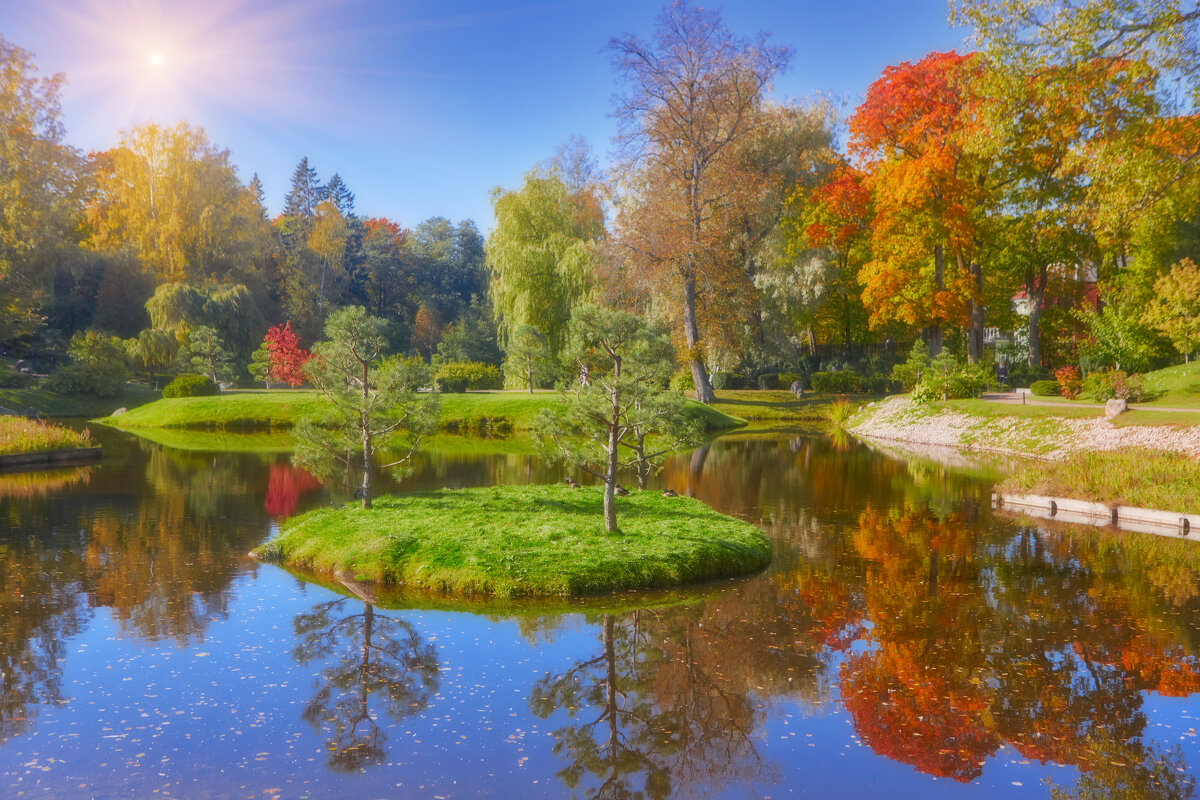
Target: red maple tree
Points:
(287, 357)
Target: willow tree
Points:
(539, 255)
(694, 94)
(372, 402)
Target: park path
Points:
(1023, 398)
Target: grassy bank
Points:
(20, 435)
(472, 412)
(522, 541)
(1138, 478)
(51, 404)
(776, 406)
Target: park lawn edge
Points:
(471, 412)
(520, 541)
(21, 436)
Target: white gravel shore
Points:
(898, 419)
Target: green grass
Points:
(1137, 477)
(21, 435)
(521, 541)
(51, 404)
(472, 412)
(1177, 386)
(775, 406)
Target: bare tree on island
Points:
(617, 403)
(694, 95)
(373, 401)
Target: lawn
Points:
(777, 406)
(51, 404)
(472, 412)
(1142, 415)
(521, 541)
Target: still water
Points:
(904, 643)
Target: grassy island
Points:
(20, 436)
(521, 541)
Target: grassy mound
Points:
(472, 412)
(522, 541)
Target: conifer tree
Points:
(306, 193)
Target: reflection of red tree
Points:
(285, 484)
(912, 716)
(1161, 667)
(837, 616)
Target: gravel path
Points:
(1052, 438)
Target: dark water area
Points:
(905, 642)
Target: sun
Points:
(156, 59)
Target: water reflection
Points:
(377, 664)
(896, 599)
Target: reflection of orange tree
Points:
(918, 698)
(285, 484)
(375, 657)
(37, 484)
(1029, 640)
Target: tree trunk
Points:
(935, 327)
(610, 476)
(704, 391)
(364, 420)
(1035, 293)
(975, 346)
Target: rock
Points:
(119, 412)
(797, 389)
(669, 493)
(1115, 407)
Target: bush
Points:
(191, 386)
(98, 380)
(881, 384)
(786, 379)
(1103, 386)
(682, 381)
(768, 380)
(450, 384)
(909, 373)
(1068, 382)
(727, 380)
(844, 382)
(926, 392)
(1045, 388)
(472, 375)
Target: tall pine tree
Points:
(306, 192)
(341, 196)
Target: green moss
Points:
(488, 413)
(521, 541)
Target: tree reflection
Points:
(666, 707)
(1132, 770)
(380, 664)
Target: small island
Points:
(28, 442)
(521, 541)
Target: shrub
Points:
(1045, 388)
(881, 384)
(971, 380)
(450, 384)
(840, 412)
(768, 380)
(191, 386)
(472, 375)
(727, 380)
(844, 382)
(682, 381)
(98, 380)
(910, 373)
(1102, 386)
(926, 392)
(1068, 382)
(786, 379)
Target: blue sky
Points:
(422, 107)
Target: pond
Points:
(905, 642)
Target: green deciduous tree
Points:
(373, 403)
(1175, 309)
(617, 403)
